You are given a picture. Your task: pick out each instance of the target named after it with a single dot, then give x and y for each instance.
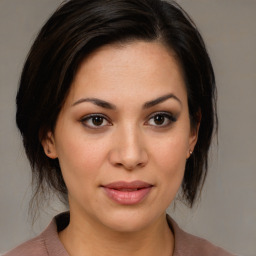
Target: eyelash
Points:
(170, 119)
(90, 117)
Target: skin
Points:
(127, 144)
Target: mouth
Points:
(127, 193)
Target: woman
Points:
(116, 107)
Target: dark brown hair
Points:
(78, 28)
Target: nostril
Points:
(142, 164)
(128, 158)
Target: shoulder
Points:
(198, 246)
(190, 245)
(47, 243)
(33, 247)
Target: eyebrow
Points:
(107, 105)
(161, 99)
(98, 102)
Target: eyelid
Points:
(89, 116)
(172, 118)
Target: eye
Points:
(161, 119)
(95, 121)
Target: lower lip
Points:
(127, 197)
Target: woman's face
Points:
(123, 136)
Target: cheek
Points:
(171, 152)
(80, 160)
(170, 160)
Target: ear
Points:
(49, 146)
(193, 136)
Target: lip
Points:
(127, 193)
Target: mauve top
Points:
(49, 244)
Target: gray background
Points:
(226, 214)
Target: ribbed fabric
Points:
(49, 244)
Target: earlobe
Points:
(192, 143)
(193, 138)
(48, 144)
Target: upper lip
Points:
(137, 184)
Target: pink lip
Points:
(127, 193)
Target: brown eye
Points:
(162, 119)
(159, 119)
(95, 121)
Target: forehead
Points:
(145, 68)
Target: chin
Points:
(129, 221)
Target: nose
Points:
(128, 149)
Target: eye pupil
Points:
(159, 119)
(97, 120)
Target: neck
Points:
(83, 237)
